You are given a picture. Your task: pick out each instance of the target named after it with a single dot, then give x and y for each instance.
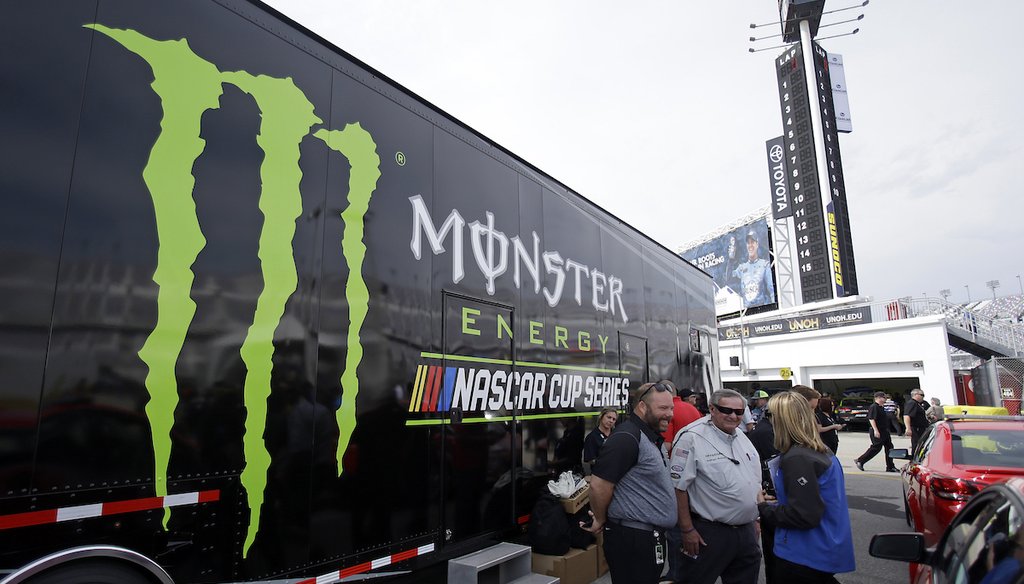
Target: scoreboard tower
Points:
(815, 223)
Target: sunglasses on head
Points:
(728, 411)
(657, 386)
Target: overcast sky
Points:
(659, 113)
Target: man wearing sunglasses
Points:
(631, 496)
(717, 476)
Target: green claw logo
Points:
(188, 86)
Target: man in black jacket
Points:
(915, 417)
(880, 436)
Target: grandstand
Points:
(1005, 308)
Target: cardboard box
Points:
(579, 500)
(575, 567)
(544, 564)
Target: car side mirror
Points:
(899, 453)
(902, 547)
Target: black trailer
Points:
(265, 314)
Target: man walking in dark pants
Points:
(880, 436)
(631, 496)
(915, 417)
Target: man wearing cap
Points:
(631, 495)
(880, 436)
(915, 417)
(755, 276)
(760, 403)
(683, 412)
(717, 475)
(689, 396)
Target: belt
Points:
(697, 517)
(635, 524)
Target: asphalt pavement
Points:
(875, 499)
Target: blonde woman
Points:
(595, 440)
(813, 539)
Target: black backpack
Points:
(548, 532)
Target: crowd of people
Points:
(683, 495)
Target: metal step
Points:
(536, 579)
(499, 564)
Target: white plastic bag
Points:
(566, 485)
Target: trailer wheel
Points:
(91, 572)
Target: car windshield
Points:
(989, 448)
(856, 403)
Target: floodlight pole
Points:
(993, 284)
(817, 130)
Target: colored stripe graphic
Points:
(417, 390)
(425, 392)
(449, 387)
(367, 566)
(357, 569)
(428, 399)
(105, 509)
(421, 396)
(435, 388)
(423, 388)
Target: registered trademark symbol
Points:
(400, 158)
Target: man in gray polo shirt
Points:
(717, 475)
(631, 496)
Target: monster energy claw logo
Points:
(188, 86)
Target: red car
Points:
(984, 543)
(955, 459)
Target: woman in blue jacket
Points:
(813, 538)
